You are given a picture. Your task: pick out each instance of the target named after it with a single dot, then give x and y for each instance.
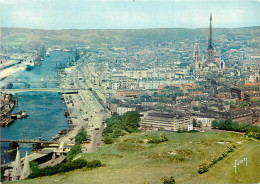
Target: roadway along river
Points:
(45, 109)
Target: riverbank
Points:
(12, 63)
(7, 104)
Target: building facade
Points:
(161, 121)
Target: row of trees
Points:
(76, 149)
(204, 167)
(64, 167)
(250, 129)
(119, 125)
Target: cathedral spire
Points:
(210, 44)
(210, 50)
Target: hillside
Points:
(132, 160)
(93, 38)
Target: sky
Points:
(128, 14)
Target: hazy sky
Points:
(128, 14)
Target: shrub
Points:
(117, 133)
(224, 154)
(203, 168)
(253, 131)
(79, 163)
(230, 149)
(168, 180)
(157, 140)
(214, 160)
(94, 164)
(34, 166)
(163, 138)
(154, 140)
(108, 140)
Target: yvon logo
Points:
(240, 162)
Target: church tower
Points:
(210, 50)
(197, 60)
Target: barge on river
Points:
(19, 115)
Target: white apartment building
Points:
(165, 121)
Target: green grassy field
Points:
(131, 160)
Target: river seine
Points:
(45, 109)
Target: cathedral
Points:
(212, 63)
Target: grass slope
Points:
(130, 161)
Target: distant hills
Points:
(68, 37)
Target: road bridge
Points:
(58, 90)
(28, 141)
(39, 82)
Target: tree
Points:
(214, 124)
(81, 136)
(221, 125)
(194, 123)
(226, 103)
(76, 149)
(235, 126)
(228, 124)
(131, 121)
(119, 125)
(242, 127)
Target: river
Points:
(45, 109)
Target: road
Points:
(86, 110)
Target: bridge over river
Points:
(58, 90)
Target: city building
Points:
(162, 121)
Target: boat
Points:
(29, 67)
(9, 85)
(66, 113)
(19, 115)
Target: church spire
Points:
(17, 166)
(26, 168)
(210, 44)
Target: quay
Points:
(28, 141)
(59, 90)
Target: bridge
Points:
(58, 90)
(28, 141)
(39, 82)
